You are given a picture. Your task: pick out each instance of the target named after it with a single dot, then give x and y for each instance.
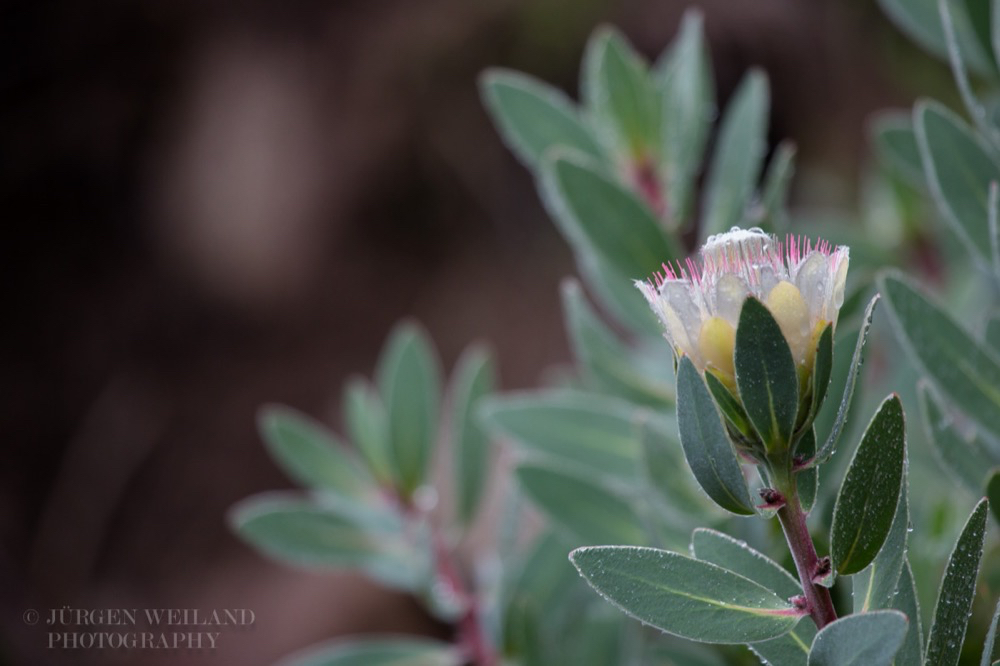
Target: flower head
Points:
(699, 303)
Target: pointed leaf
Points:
(963, 454)
(595, 434)
(303, 533)
(738, 156)
(822, 370)
(586, 510)
(765, 374)
(959, 170)
(311, 455)
(410, 382)
(991, 330)
(367, 425)
(688, 108)
(965, 371)
(380, 651)
(869, 495)
(474, 378)
(906, 601)
(830, 445)
(949, 14)
(958, 586)
(604, 358)
(621, 96)
(616, 293)
(533, 116)
(684, 596)
(770, 210)
(600, 217)
(875, 587)
(868, 639)
(706, 446)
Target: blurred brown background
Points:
(212, 205)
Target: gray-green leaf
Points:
(962, 368)
(684, 596)
(866, 639)
(906, 601)
(896, 146)
(311, 454)
(410, 382)
(765, 374)
(958, 586)
(367, 424)
(474, 378)
(875, 587)
(991, 636)
(381, 651)
(595, 434)
(922, 22)
(706, 445)
(959, 170)
(869, 495)
(738, 156)
(590, 513)
(600, 217)
(533, 116)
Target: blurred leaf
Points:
(598, 216)
(870, 492)
(770, 212)
(830, 445)
(410, 383)
(595, 434)
(959, 169)
(532, 116)
(706, 446)
(766, 375)
(962, 455)
(588, 511)
(868, 639)
(993, 225)
(920, 20)
(299, 532)
(958, 586)
(604, 359)
(621, 96)
(738, 156)
(906, 601)
(665, 469)
(991, 331)
(311, 455)
(367, 425)
(618, 295)
(896, 146)
(948, 12)
(380, 651)
(875, 587)
(993, 492)
(991, 635)
(684, 596)
(474, 378)
(961, 368)
(791, 649)
(688, 108)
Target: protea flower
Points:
(699, 303)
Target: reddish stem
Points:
(471, 638)
(807, 563)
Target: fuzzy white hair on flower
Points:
(698, 303)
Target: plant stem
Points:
(793, 524)
(472, 641)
